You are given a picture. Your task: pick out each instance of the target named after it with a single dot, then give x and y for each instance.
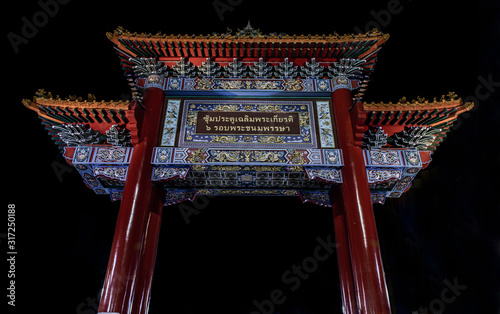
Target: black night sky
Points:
(235, 251)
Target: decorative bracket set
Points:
(351, 68)
(256, 76)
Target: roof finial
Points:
(249, 31)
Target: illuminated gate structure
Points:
(247, 114)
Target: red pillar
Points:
(343, 255)
(126, 251)
(148, 259)
(367, 269)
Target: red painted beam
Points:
(127, 248)
(368, 272)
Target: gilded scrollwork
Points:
(272, 139)
(296, 157)
(270, 108)
(226, 108)
(197, 156)
(227, 156)
(264, 156)
(224, 139)
(267, 168)
(293, 85)
(225, 168)
(203, 84)
(191, 117)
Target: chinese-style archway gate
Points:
(247, 114)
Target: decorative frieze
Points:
(378, 198)
(412, 158)
(102, 155)
(321, 198)
(244, 177)
(381, 175)
(251, 85)
(111, 172)
(391, 171)
(311, 173)
(331, 175)
(165, 174)
(175, 196)
(103, 168)
(292, 157)
(385, 158)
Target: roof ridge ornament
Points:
(249, 31)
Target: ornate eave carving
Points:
(46, 98)
(249, 34)
(450, 100)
